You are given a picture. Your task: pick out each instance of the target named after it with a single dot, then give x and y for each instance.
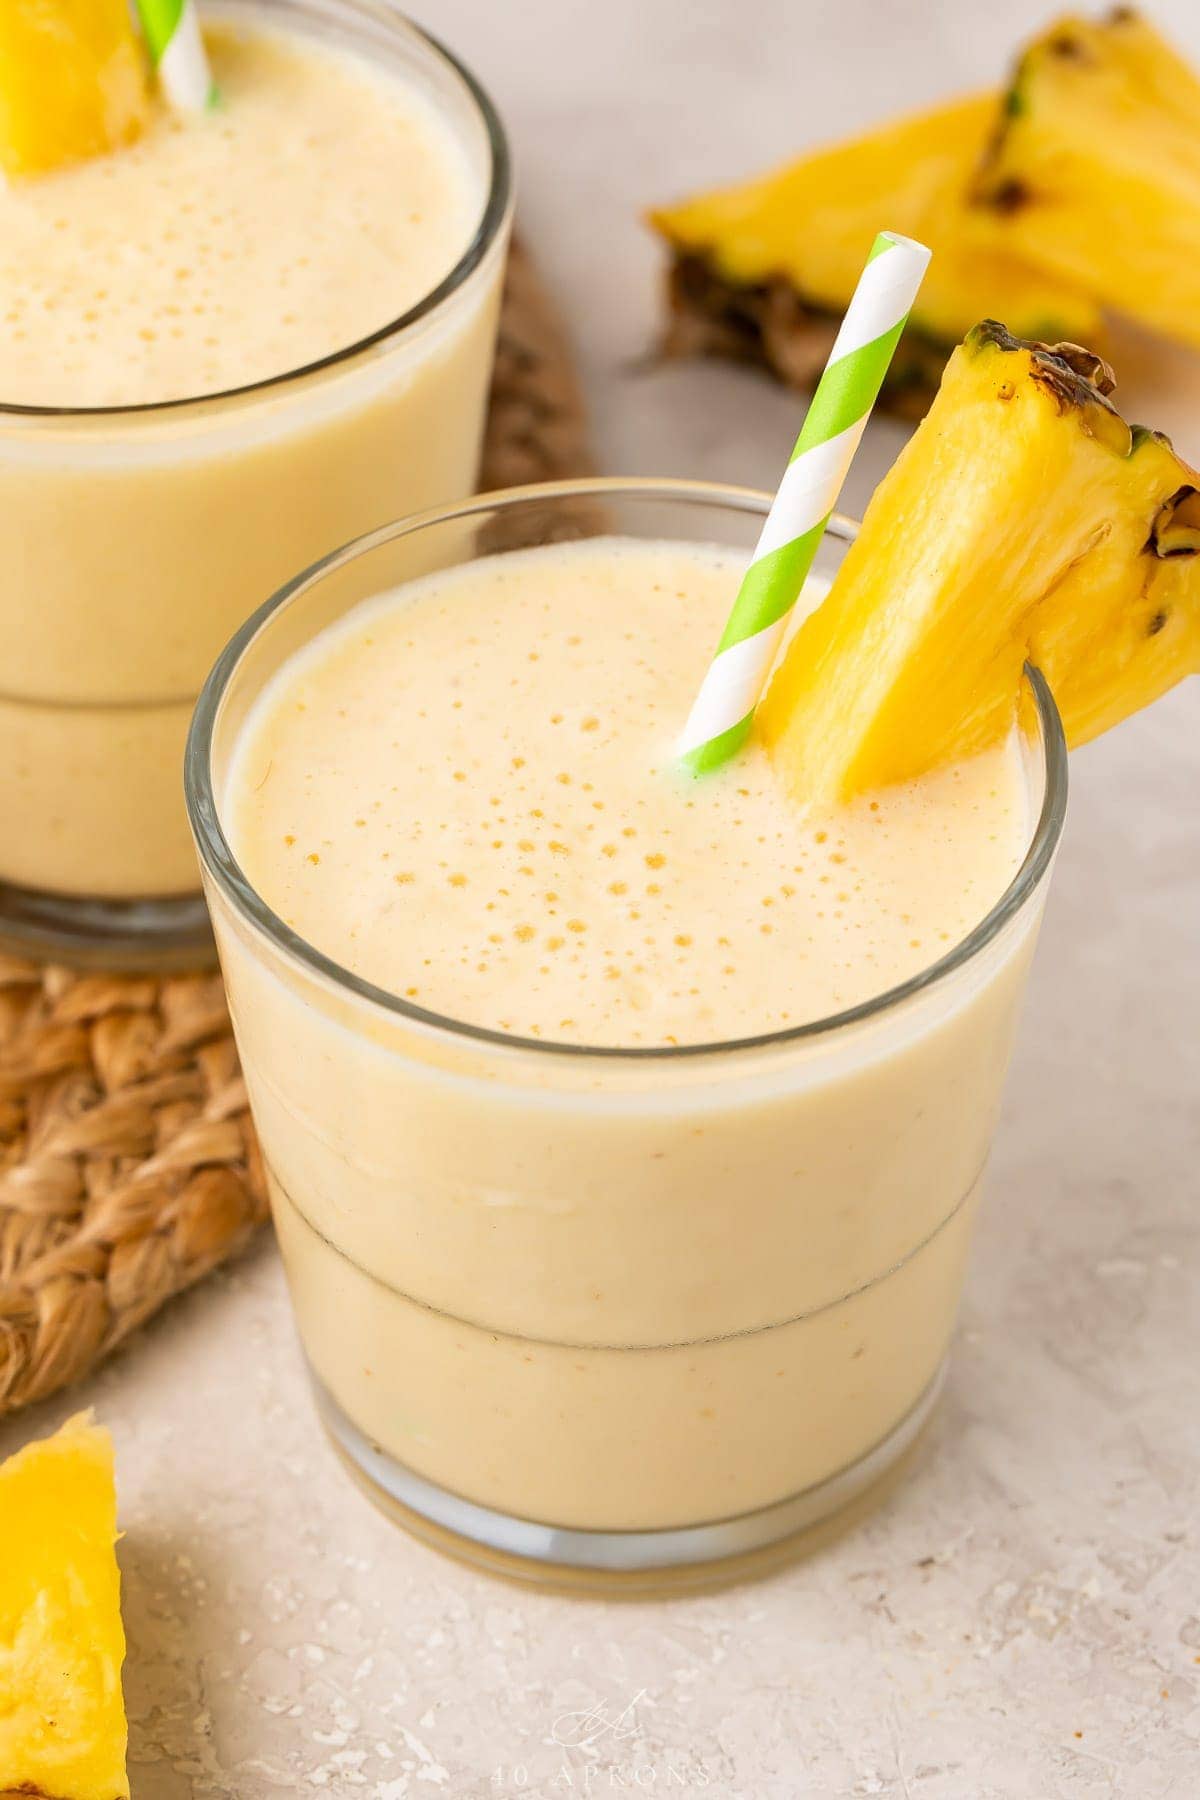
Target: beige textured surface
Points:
(1039, 1576)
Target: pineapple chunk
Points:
(802, 233)
(1095, 171)
(1023, 521)
(62, 1719)
(72, 81)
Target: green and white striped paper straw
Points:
(724, 708)
(172, 32)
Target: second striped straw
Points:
(721, 717)
(172, 32)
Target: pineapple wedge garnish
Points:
(765, 269)
(62, 1719)
(1024, 520)
(72, 82)
(1095, 170)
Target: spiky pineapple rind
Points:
(1075, 375)
(1176, 528)
(773, 324)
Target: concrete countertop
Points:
(1023, 1617)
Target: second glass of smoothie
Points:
(231, 346)
(624, 1132)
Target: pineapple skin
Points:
(1124, 627)
(72, 82)
(1023, 521)
(811, 224)
(1094, 173)
(62, 1718)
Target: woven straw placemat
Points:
(128, 1165)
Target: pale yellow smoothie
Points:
(343, 177)
(607, 1293)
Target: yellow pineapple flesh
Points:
(810, 225)
(72, 82)
(62, 1718)
(1024, 520)
(1095, 171)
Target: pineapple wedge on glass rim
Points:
(765, 268)
(1024, 521)
(1094, 170)
(72, 82)
(62, 1717)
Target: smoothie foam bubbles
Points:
(467, 793)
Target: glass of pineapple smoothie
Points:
(624, 1132)
(231, 345)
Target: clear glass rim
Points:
(224, 871)
(491, 223)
